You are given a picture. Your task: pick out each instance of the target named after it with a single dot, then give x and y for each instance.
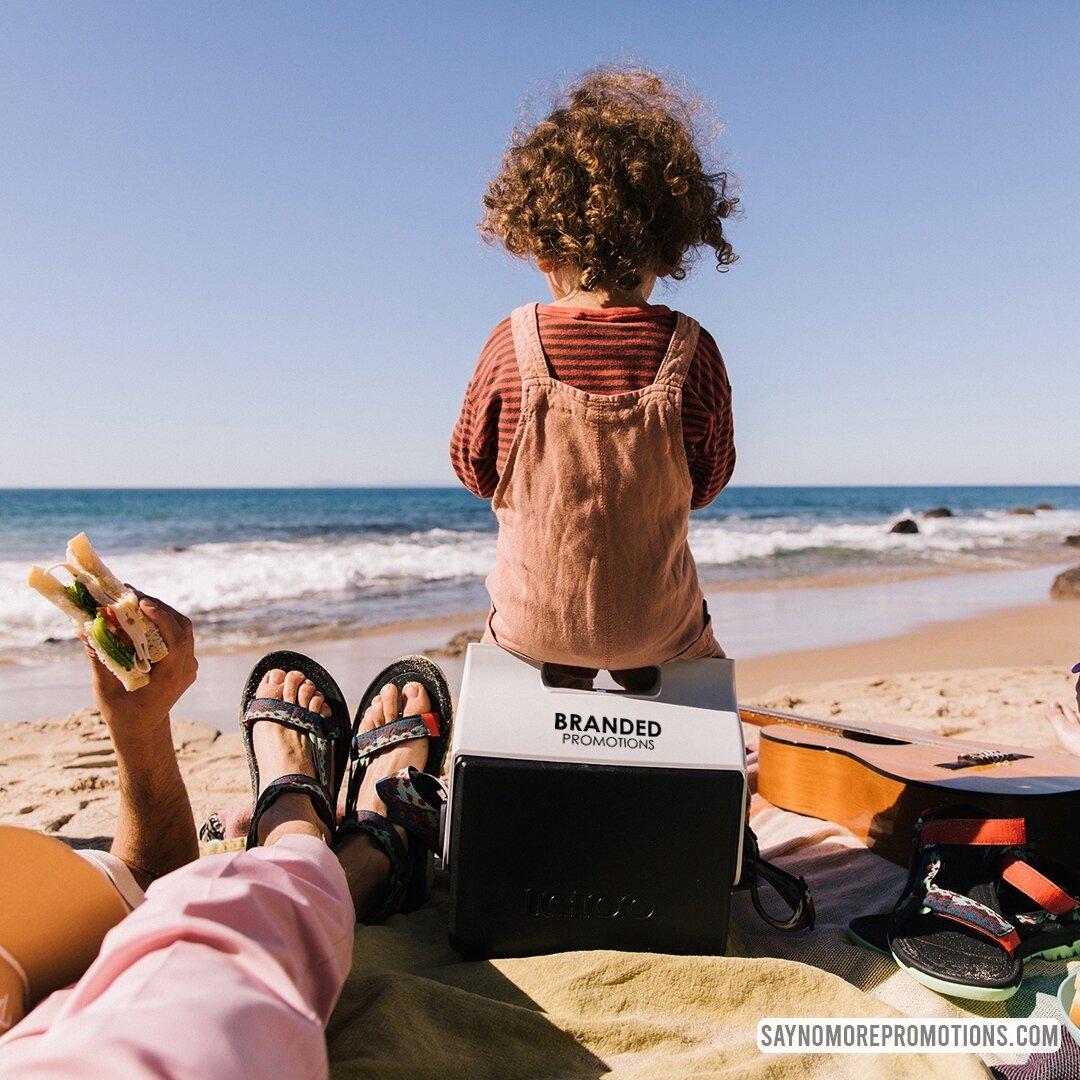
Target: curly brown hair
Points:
(611, 182)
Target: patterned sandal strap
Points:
(386, 838)
(287, 714)
(367, 743)
(414, 800)
(972, 914)
(213, 828)
(295, 784)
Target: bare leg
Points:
(366, 866)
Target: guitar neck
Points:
(879, 734)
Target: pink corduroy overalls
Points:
(593, 568)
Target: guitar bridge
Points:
(975, 758)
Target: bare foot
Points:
(366, 865)
(1066, 724)
(282, 750)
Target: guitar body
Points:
(877, 781)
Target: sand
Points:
(986, 679)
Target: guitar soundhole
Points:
(872, 737)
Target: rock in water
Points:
(1066, 585)
(1073, 541)
(1044, 506)
(905, 525)
(1021, 510)
(938, 511)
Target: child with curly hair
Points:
(595, 423)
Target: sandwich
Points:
(125, 640)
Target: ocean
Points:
(254, 565)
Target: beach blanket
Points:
(413, 1008)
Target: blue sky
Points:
(238, 242)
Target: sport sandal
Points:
(328, 735)
(1039, 897)
(409, 867)
(947, 930)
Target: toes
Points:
(271, 684)
(416, 699)
(388, 695)
(310, 697)
(291, 687)
(391, 703)
(383, 708)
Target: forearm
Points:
(155, 828)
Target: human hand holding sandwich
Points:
(152, 702)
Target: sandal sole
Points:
(960, 990)
(872, 930)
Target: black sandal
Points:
(328, 736)
(409, 867)
(948, 931)
(1039, 897)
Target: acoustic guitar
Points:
(877, 780)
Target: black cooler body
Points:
(593, 819)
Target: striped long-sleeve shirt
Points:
(605, 351)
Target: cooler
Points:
(593, 819)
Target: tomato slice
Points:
(114, 625)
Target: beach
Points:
(987, 678)
(825, 608)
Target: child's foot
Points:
(282, 750)
(1066, 724)
(366, 865)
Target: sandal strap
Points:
(213, 828)
(1003, 832)
(971, 913)
(367, 743)
(1021, 875)
(386, 838)
(291, 783)
(324, 729)
(414, 800)
(289, 715)
(794, 891)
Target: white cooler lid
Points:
(689, 720)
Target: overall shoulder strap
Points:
(680, 352)
(530, 353)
